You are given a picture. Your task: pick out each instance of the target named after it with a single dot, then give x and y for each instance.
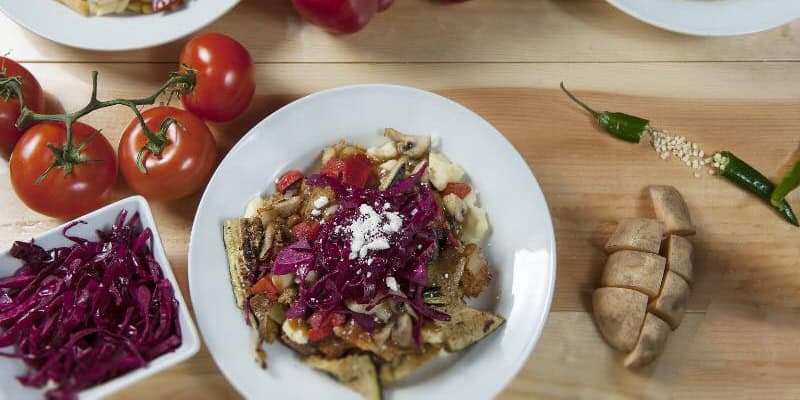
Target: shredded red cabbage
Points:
(82, 315)
(340, 279)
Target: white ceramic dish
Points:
(521, 250)
(103, 218)
(712, 17)
(54, 21)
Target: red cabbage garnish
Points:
(82, 315)
(341, 279)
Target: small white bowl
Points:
(102, 219)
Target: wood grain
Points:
(742, 247)
(429, 31)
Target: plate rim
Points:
(552, 263)
(159, 41)
(637, 14)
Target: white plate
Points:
(522, 250)
(712, 17)
(57, 22)
(102, 219)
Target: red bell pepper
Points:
(457, 188)
(306, 230)
(321, 326)
(356, 170)
(288, 179)
(340, 16)
(333, 168)
(265, 285)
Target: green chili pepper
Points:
(790, 182)
(624, 126)
(746, 177)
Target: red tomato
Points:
(185, 163)
(340, 16)
(62, 195)
(265, 285)
(9, 109)
(306, 230)
(288, 179)
(458, 188)
(356, 170)
(225, 77)
(322, 328)
(333, 168)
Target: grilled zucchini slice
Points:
(467, 326)
(242, 238)
(355, 371)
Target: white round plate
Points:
(521, 250)
(712, 17)
(57, 22)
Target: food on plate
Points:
(87, 169)
(643, 295)
(364, 266)
(340, 16)
(631, 128)
(224, 76)
(9, 104)
(642, 234)
(651, 342)
(108, 7)
(634, 270)
(678, 251)
(167, 163)
(84, 314)
(619, 313)
(670, 207)
(748, 178)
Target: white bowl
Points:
(103, 219)
(521, 247)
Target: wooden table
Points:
(504, 59)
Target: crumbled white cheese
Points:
(391, 283)
(315, 212)
(321, 201)
(369, 231)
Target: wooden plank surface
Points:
(504, 59)
(428, 31)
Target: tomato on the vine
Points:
(225, 77)
(60, 193)
(186, 159)
(9, 108)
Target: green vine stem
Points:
(68, 156)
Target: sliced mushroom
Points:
(670, 305)
(671, 209)
(636, 234)
(476, 275)
(414, 146)
(261, 308)
(401, 333)
(252, 207)
(619, 314)
(391, 176)
(651, 342)
(679, 256)
(634, 270)
(266, 243)
(287, 206)
(380, 337)
(455, 207)
(386, 151)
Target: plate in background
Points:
(712, 17)
(55, 21)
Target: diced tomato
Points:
(356, 170)
(457, 188)
(265, 285)
(306, 230)
(333, 168)
(288, 179)
(322, 326)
